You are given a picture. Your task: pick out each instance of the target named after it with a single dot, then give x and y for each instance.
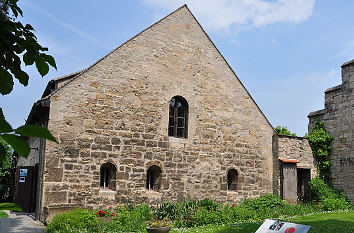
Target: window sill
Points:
(178, 143)
(106, 191)
(153, 193)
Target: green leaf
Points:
(4, 126)
(29, 27)
(29, 58)
(2, 153)
(14, 11)
(6, 82)
(34, 131)
(42, 66)
(50, 60)
(19, 144)
(10, 206)
(21, 76)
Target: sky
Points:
(285, 52)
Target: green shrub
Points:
(74, 221)
(239, 214)
(319, 190)
(328, 198)
(266, 201)
(129, 218)
(331, 204)
(208, 204)
(203, 216)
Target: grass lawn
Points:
(3, 214)
(336, 222)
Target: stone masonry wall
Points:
(290, 147)
(118, 109)
(338, 119)
(298, 148)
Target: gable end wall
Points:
(117, 111)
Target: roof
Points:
(348, 63)
(335, 88)
(52, 84)
(316, 113)
(291, 136)
(289, 160)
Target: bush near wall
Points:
(191, 213)
(327, 197)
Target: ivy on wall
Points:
(320, 142)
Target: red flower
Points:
(113, 214)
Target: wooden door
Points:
(26, 188)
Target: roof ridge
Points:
(68, 75)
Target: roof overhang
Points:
(289, 160)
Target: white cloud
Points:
(222, 14)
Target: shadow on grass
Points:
(328, 225)
(240, 228)
(319, 226)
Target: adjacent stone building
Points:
(162, 117)
(337, 117)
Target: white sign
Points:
(23, 172)
(22, 179)
(276, 226)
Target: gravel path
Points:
(20, 223)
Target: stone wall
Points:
(299, 150)
(338, 119)
(117, 111)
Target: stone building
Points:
(161, 117)
(337, 117)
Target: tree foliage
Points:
(18, 41)
(282, 130)
(7, 168)
(320, 142)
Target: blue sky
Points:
(286, 52)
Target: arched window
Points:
(153, 181)
(232, 179)
(178, 120)
(108, 176)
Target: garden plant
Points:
(205, 215)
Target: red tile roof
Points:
(289, 160)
